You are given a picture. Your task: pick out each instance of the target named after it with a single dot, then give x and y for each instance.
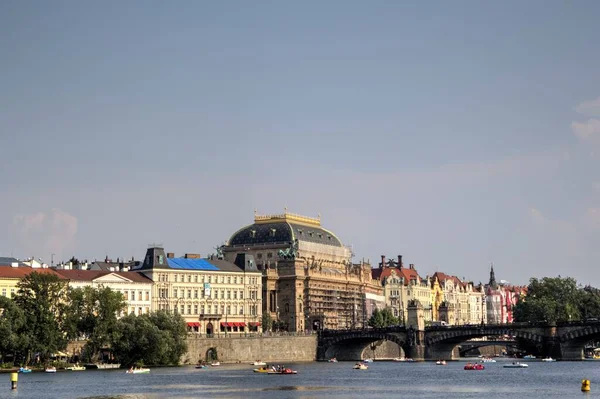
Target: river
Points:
(317, 380)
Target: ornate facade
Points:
(309, 280)
(214, 296)
(465, 301)
(501, 299)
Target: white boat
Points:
(258, 363)
(368, 360)
(76, 368)
(529, 357)
(138, 371)
(215, 364)
(332, 360)
(548, 359)
(488, 360)
(360, 366)
(50, 370)
(516, 365)
(441, 362)
(402, 359)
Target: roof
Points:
(282, 229)
(407, 273)
(20, 272)
(442, 277)
(106, 266)
(91, 275)
(8, 261)
(215, 265)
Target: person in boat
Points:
(131, 369)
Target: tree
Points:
(12, 321)
(93, 313)
(43, 299)
(551, 299)
(589, 302)
(382, 318)
(267, 321)
(154, 339)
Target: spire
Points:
(493, 277)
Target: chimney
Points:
(400, 261)
(412, 266)
(382, 264)
(192, 256)
(170, 255)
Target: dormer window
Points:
(329, 238)
(272, 232)
(252, 233)
(310, 233)
(300, 231)
(320, 235)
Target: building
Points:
(309, 280)
(11, 262)
(11, 276)
(464, 301)
(501, 299)
(135, 287)
(402, 285)
(214, 296)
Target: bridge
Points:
(561, 341)
(471, 345)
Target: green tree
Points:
(43, 299)
(551, 299)
(589, 302)
(154, 339)
(12, 320)
(93, 314)
(382, 318)
(267, 321)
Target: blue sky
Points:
(456, 134)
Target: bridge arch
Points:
(351, 345)
(573, 341)
(441, 343)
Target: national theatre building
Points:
(309, 280)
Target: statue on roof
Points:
(291, 252)
(219, 250)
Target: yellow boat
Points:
(264, 369)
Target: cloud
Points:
(42, 234)
(591, 108)
(586, 130)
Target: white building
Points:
(135, 287)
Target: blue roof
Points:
(191, 264)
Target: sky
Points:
(456, 134)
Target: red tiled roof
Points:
(442, 277)
(407, 273)
(91, 275)
(20, 272)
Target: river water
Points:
(318, 380)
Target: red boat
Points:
(474, 366)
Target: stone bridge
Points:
(562, 341)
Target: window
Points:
(195, 278)
(189, 309)
(252, 233)
(189, 278)
(182, 308)
(235, 280)
(269, 254)
(126, 295)
(195, 309)
(259, 256)
(147, 295)
(196, 294)
(228, 309)
(234, 294)
(228, 294)
(189, 294)
(3, 291)
(241, 294)
(139, 295)
(272, 232)
(140, 310)
(175, 292)
(228, 279)
(133, 295)
(210, 279)
(241, 310)
(222, 294)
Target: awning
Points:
(193, 324)
(254, 324)
(238, 324)
(226, 324)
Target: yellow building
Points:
(214, 296)
(10, 276)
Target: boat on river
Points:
(24, 370)
(369, 360)
(474, 366)
(402, 359)
(264, 369)
(76, 368)
(201, 366)
(138, 371)
(332, 360)
(487, 360)
(548, 359)
(215, 364)
(282, 371)
(441, 363)
(529, 357)
(360, 366)
(516, 365)
(51, 369)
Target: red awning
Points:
(255, 324)
(241, 324)
(193, 324)
(226, 324)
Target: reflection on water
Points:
(294, 388)
(556, 380)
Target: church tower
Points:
(493, 283)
